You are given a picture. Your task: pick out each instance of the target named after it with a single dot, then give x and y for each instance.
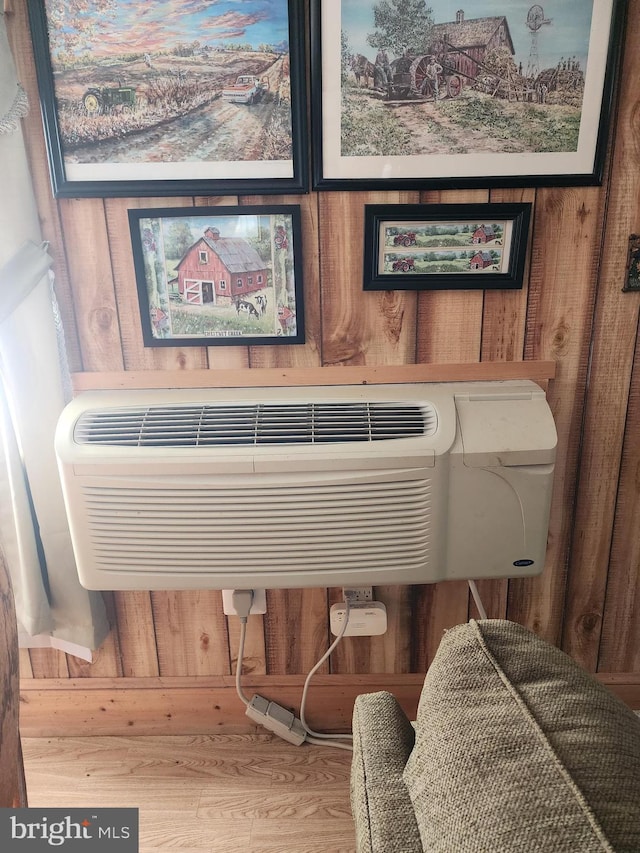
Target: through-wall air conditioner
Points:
(307, 486)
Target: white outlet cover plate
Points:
(258, 605)
(366, 619)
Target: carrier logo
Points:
(35, 830)
(520, 563)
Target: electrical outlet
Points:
(366, 619)
(258, 605)
(357, 593)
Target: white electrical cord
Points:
(243, 635)
(319, 742)
(242, 601)
(321, 736)
(478, 600)
(312, 737)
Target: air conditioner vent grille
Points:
(254, 424)
(317, 526)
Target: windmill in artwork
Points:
(535, 21)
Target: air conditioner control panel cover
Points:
(307, 486)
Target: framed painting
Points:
(172, 98)
(416, 95)
(445, 246)
(218, 275)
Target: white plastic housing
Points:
(469, 498)
(366, 619)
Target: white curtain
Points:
(51, 605)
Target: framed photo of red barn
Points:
(219, 275)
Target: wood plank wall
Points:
(571, 310)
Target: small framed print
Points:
(219, 275)
(445, 246)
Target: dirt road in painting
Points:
(216, 131)
(433, 131)
(178, 113)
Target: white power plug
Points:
(366, 619)
(258, 602)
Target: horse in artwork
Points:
(363, 70)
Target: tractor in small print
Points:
(403, 265)
(102, 100)
(407, 238)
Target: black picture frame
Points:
(223, 276)
(445, 246)
(360, 129)
(156, 84)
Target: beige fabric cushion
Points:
(518, 750)
(382, 811)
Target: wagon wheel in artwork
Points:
(421, 82)
(454, 85)
(92, 103)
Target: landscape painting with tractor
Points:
(444, 247)
(162, 88)
(494, 78)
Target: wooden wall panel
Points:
(296, 629)
(26, 670)
(139, 707)
(136, 637)
(191, 633)
(93, 294)
(562, 287)
(48, 663)
(254, 658)
(619, 649)
(570, 310)
(359, 328)
(615, 324)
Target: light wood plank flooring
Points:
(203, 794)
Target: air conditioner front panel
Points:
(307, 486)
(136, 534)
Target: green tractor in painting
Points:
(102, 100)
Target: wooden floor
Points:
(203, 794)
